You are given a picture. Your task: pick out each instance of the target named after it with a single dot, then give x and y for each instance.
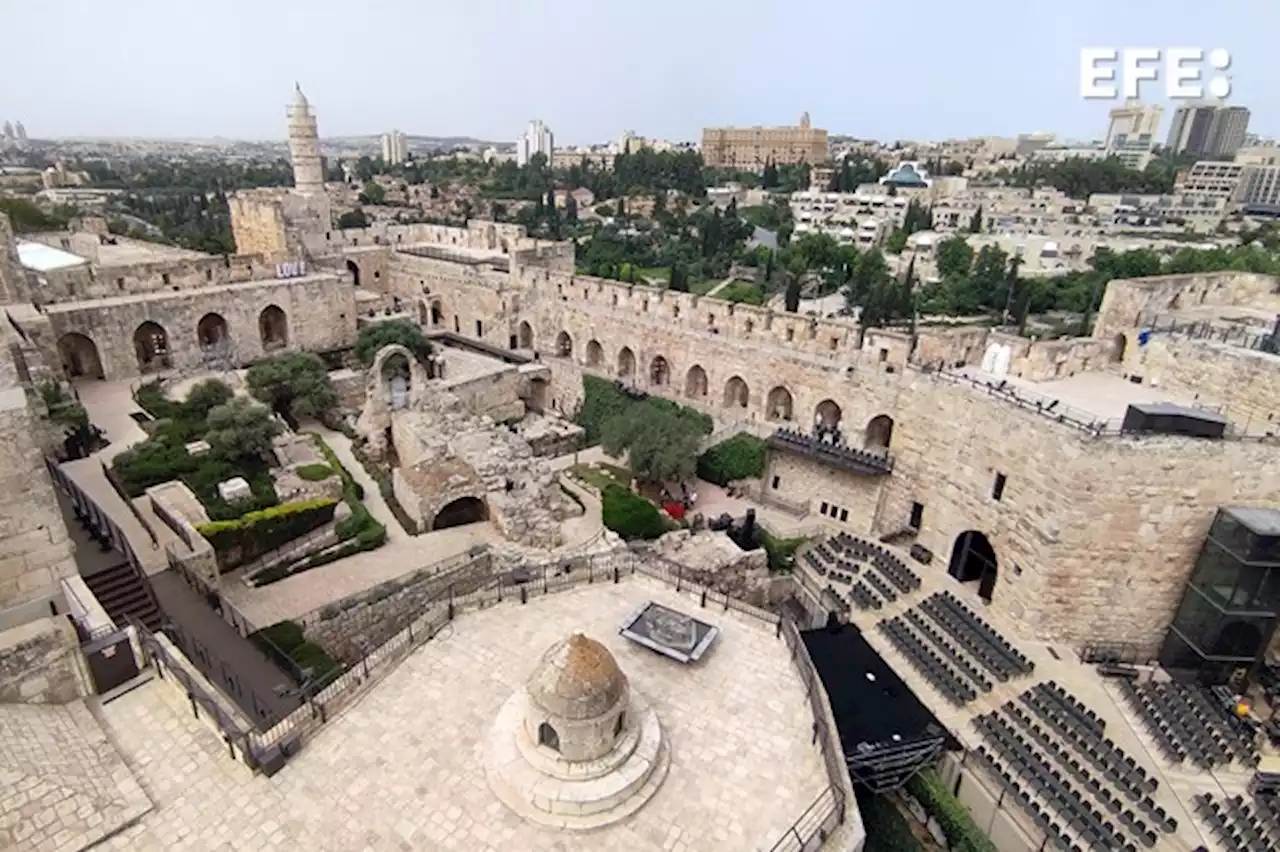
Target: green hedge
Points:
(602, 401)
(630, 515)
(957, 824)
(246, 538)
(739, 457)
(782, 551)
(285, 643)
(887, 829)
(361, 525)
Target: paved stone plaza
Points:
(403, 769)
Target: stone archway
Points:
(80, 358)
(525, 336)
(564, 345)
(151, 346)
(354, 269)
(736, 393)
(212, 331)
(973, 559)
(659, 371)
(1119, 344)
(437, 313)
(548, 737)
(879, 432)
(595, 353)
(695, 382)
(273, 328)
(827, 415)
(457, 513)
(626, 363)
(396, 379)
(778, 404)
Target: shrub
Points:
(242, 428)
(152, 399)
(782, 551)
(955, 820)
(205, 396)
(739, 457)
(361, 524)
(296, 384)
(314, 472)
(246, 538)
(887, 829)
(603, 401)
(741, 291)
(287, 646)
(630, 515)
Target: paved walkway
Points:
(373, 501)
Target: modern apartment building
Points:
(537, 139)
(1131, 134)
(395, 147)
(1208, 130)
(752, 148)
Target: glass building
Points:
(1228, 612)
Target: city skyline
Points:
(992, 68)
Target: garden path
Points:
(373, 501)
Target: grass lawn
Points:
(700, 287)
(602, 474)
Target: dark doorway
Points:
(355, 272)
(389, 449)
(464, 510)
(974, 559)
(1238, 639)
(548, 737)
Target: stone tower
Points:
(804, 120)
(304, 146)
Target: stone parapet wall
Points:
(1126, 300)
(81, 283)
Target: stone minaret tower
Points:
(304, 146)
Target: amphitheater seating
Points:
(949, 650)
(977, 637)
(864, 598)
(1078, 787)
(925, 660)
(888, 563)
(1236, 823)
(1191, 723)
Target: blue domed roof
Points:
(906, 174)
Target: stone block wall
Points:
(1126, 300)
(40, 663)
(852, 501)
(349, 628)
(319, 312)
(81, 283)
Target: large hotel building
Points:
(751, 148)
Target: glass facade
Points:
(1228, 611)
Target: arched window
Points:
(548, 737)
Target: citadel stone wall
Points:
(319, 311)
(844, 498)
(91, 281)
(1125, 300)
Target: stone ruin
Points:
(452, 466)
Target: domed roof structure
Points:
(577, 679)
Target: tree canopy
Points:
(241, 428)
(374, 337)
(661, 445)
(296, 384)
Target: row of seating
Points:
(925, 660)
(992, 636)
(1105, 756)
(1083, 820)
(1187, 726)
(969, 638)
(1043, 817)
(949, 650)
(1237, 824)
(864, 598)
(1074, 706)
(877, 582)
(885, 560)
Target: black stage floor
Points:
(871, 704)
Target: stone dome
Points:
(577, 679)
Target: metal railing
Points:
(87, 508)
(1228, 334)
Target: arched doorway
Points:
(827, 414)
(464, 510)
(424, 314)
(354, 269)
(396, 380)
(595, 353)
(879, 432)
(1117, 351)
(437, 314)
(79, 356)
(736, 393)
(525, 338)
(626, 363)
(564, 345)
(273, 328)
(973, 559)
(151, 346)
(659, 371)
(695, 382)
(548, 737)
(211, 331)
(778, 404)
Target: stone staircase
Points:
(124, 594)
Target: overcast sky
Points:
(886, 69)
